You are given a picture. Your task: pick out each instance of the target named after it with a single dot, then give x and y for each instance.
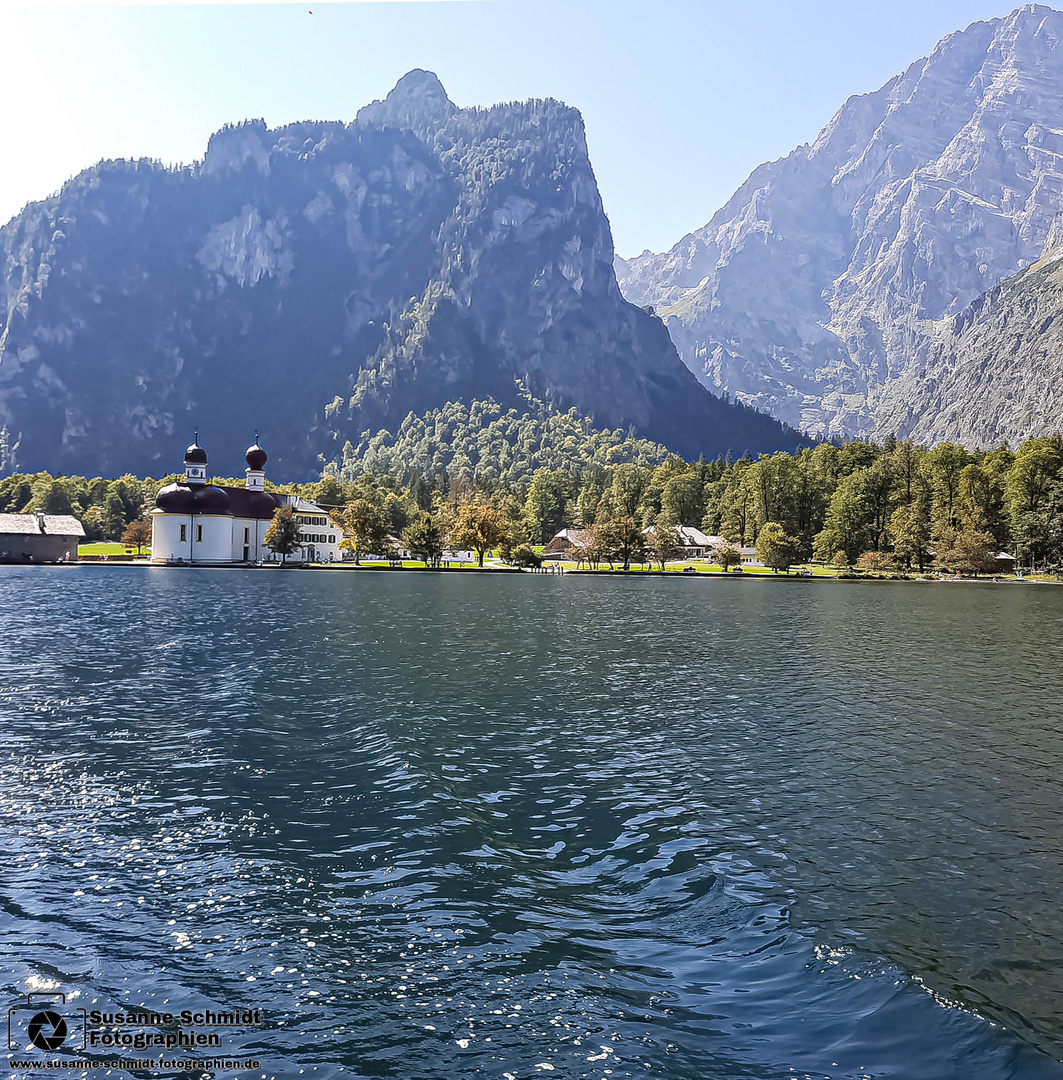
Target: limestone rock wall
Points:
(820, 284)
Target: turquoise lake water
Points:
(523, 826)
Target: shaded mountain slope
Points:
(323, 279)
(994, 368)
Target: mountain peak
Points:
(914, 200)
(416, 102)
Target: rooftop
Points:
(30, 525)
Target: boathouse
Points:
(39, 538)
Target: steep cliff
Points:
(992, 371)
(322, 279)
(819, 284)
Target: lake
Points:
(511, 826)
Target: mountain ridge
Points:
(322, 279)
(819, 282)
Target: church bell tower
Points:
(195, 463)
(256, 464)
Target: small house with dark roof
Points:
(39, 538)
(202, 524)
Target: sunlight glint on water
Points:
(442, 826)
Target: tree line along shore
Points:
(891, 507)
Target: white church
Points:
(201, 524)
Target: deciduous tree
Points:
(622, 541)
(664, 544)
(874, 560)
(137, 533)
(424, 537)
(727, 556)
(545, 509)
(848, 519)
(910, 530)
(479, 526)
(282, 537)
(524, 555)
(775, 549)
(366, 526)
(971, 552)
(586, 547)
(113, 516)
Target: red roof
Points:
(241, 502)
(244, 503)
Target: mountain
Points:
(994, 368)
(822, 289)
(324, 279)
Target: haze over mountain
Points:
(322, 279)
(824, 288)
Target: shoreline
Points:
(843, 579)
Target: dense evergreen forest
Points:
(484, 442)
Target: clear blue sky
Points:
(681, 98)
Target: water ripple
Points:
(518, 827)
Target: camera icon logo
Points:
(48, 1025)
(48, 1030)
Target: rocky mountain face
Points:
(994, 370)
(823, 289)
(322, 279)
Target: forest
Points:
(897, 504)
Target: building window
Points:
(199, 534)
(247, 536)
(332, 539)
(184, 533)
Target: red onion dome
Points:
(255, 457)
(211, 500)
(195, 455)
(176, 499)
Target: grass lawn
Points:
(412, 564)
(701, 567)
(111, 549)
